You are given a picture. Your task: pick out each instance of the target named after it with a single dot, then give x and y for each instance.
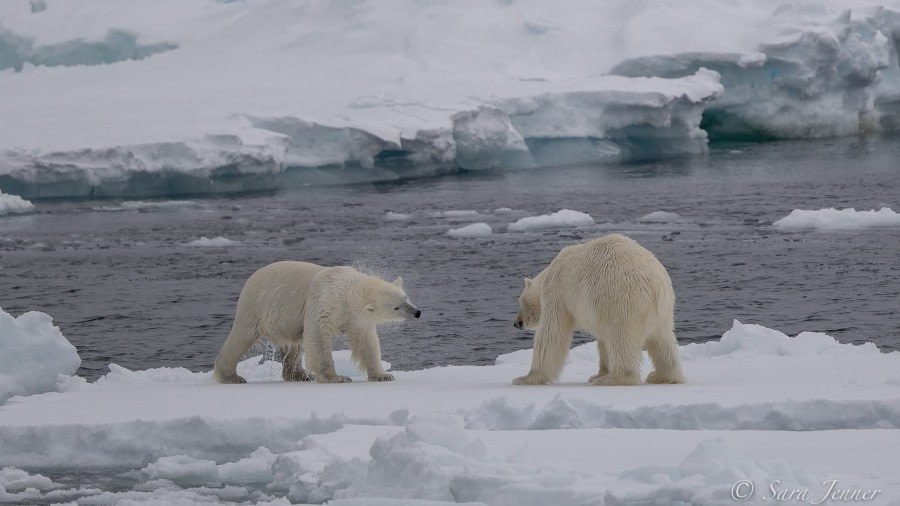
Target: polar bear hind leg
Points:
(624, 356)
(663, 351)
(604, 361)
(244, 334)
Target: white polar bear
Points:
(617, 291)
(300, 307)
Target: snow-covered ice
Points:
(797, 412)
(216, 242)
(447, 86)
(33, 354)
(473, 230)
(838, 219)
(10, 204)
(559, 219)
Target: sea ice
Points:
(10, 204)
(473, 230)
(217, 242)
(33, 355)
(758, 406)
(501, 88)
(559, 219)
(660, 217)
(838, 219)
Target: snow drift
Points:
(139, 99)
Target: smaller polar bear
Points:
(300, 307)
(617, 291)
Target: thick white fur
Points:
(617, 291)
(300, 307)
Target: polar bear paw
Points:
(385, 376)
(232, 380)
(610, 380)
(531, 379)
(337, 378)
(664, 379)
(597, 376)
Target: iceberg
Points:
(14, 204)
(139, 99)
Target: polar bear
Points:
(300, 307)
(617, 291)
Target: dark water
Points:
(124, 288)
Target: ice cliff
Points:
(166, 97)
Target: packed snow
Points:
(12, 204)
(802, 412)
(838, 219)
(473, 230)
(559, 219)
(33, 354)
(447, 86)
(216, 242)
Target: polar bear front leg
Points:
(551, 346)
(365, 351)
(317, 345)
(292, 364)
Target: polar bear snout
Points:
(410, 311)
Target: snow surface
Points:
(559, 219)
(33, 353)
(759, 406)
(838, 219)
(150, 97)
(473, 230)
(216, 242)
(10, 204)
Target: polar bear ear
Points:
(398, 282)
(528, 282)
(370, 308)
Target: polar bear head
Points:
(529, 315)
(388, 302)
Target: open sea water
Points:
(124, 284)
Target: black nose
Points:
(518, 324)
(418, 313)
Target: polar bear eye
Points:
(396, 309)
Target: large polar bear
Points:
(300, 307)
(614, 289)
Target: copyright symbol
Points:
(742, 490)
